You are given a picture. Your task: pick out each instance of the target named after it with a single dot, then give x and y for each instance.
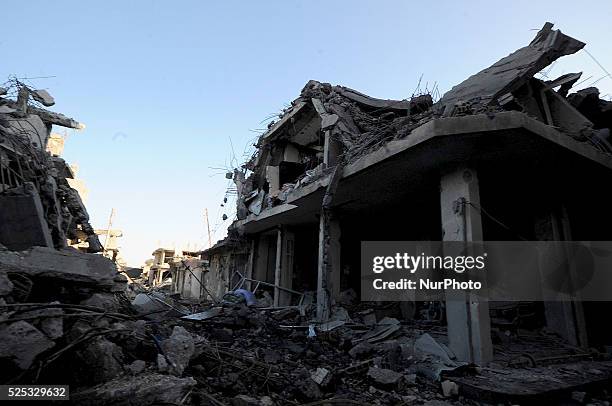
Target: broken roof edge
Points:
(370, 101)
(435, 128)
(47, 116)
(510, 72)
(353, 95)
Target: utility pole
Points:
(108, 229)
(208, 227)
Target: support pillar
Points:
(250, 264)
(278, 264)
(469, 324)
(565, 315)
(283, 272)
(328, 272)
(260, 270)
(331, 150)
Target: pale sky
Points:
(163, 86)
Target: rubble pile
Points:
(65, 318)
(112, 352)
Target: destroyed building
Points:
(340, 167)
(38, 205)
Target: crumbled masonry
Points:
(271, 315)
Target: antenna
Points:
(208, 227)
(108, 229)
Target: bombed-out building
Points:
(38, 204)
(501, 156)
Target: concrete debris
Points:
(322, 376)
(101, 361)
(49, 321)
(426, 345)
(107, 301)
(449, 389)
(162, 363)
(579, 397)
(510, 73)
(42, 96)
(21, 343)
(69, 266)
(6, 286)
(244, 400)
(137, 367)
(178, 349)
(141, 390)
(384, 377)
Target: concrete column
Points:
(331, 150)
(469, 324)
(283, 273)
(565, 315)
(286, 271)
(250, 264)
(260, 269)
(273, 178)
(328, 272)
(277, 269)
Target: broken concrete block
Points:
(361, 350)
(162, 364)
(136, 367)
(6, 109)
(328, 120)
(178, 348)
(106, 301)
(244, 400)
(266, 401)
(100, 360)
(53, 327)
(6, 286)
(307, 388)
(427, 346)
(384, 377)
(69, 266)
(21, 343)
(449, 389)
(42, 96)
(140, 390)
(322, 376)
(579, 397)
(271, 356)
(410, 378)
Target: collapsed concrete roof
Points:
(509, 73)
(327, 125)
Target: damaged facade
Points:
(340, 167)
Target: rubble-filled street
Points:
(290, 306)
